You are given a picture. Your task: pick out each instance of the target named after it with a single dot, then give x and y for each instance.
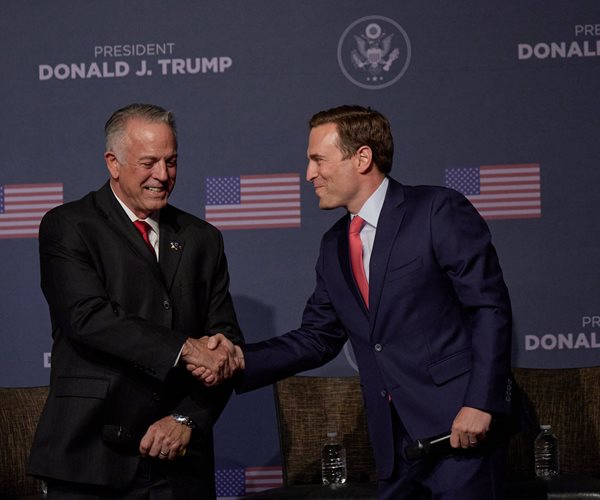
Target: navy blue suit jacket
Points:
(438, 333)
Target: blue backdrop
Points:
(498, 99)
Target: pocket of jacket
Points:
(81, 387)
(451, 367)
(404, 269)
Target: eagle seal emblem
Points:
(374, 52)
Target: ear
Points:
(364, 156)
(112, 164)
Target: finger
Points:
(212, 344)
(461, 439)
(465, 440)
(167, 450)
(210, 381)
(200, 371)
(454, 439)
(240, 361)
(146, 443)
(473, 441)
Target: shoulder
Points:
(339, 228)
(426, 192)
(73, 210)
(189, 223)
(435, 198)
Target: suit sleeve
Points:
(463, 247)
(205, 405)
(318, 340)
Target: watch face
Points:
(182, 419)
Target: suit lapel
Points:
(109, 207)
(172, 246)
(390, 219)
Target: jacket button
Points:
(166, 304)
(156, 396)
(384, 393)
(378, 347)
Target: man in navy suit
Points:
(432, 332)
(124, 419)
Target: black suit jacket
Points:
(119, 319)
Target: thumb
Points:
(214, 341)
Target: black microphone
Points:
(437, 445)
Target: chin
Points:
(323, 205)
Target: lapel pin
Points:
(175, 245)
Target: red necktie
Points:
(356, 257)
(144, 228)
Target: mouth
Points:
(154, 189)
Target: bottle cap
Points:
(331, 434)
(545, 427)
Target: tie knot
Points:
(142, 226)
(356, 224)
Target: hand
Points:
(205, 374)
(211, 359)
(469, 427)
(166, 439)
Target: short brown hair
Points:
(358, 126)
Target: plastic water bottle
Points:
(333, 461)
(546, 453)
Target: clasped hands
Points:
(212, 359)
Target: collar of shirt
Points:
(153, 220)
(370, 211)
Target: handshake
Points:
(212, 359)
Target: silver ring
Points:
(472, 443)
(163, 454)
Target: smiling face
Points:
(337, 180)
(143, 166)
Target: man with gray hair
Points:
(135, 288)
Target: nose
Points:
(160, 171)
(311, 171)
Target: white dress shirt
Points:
(152, 221)
(369, 212)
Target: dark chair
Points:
(569, 400)
(20, 409)
(308, 408)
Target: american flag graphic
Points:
(253, 201)
(230, 483)
(22, 207)
(263, 478)
(237, 482)
(500, 191)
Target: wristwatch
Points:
(183, 420)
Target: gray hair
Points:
(115, 126)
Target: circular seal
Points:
(374, 52)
